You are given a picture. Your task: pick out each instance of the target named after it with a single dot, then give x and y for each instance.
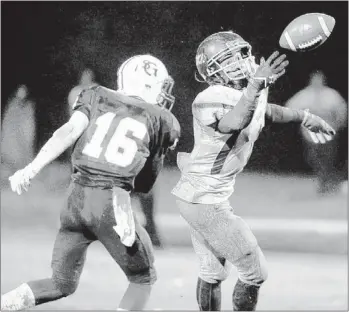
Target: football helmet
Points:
(225, 57)
(146, 77)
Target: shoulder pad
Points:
(219, 94)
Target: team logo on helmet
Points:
(200, 58)
(150, 68)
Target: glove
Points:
(21, 179)
(319, 130)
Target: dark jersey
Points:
(124, 134)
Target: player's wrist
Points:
(251, 92)
(306, 116)
(257, 83)
(31, 170)
(39, 162)
(299, 116)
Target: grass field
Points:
(297, 281)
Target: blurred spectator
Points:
(86, 80)
(331, 106)
(18, 132)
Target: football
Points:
(307, 32)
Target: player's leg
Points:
(142, 279)
(136, 261)
(208, 295)
(137, 264)
(231, 238)
(242, 250)
(213, 271)
(69, 254)
(252, 272)
(147, 205)
(67, 263)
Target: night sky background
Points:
(45, 45)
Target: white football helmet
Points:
(146, 77)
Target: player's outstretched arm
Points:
(279, 114)
(319, 130)
(240, 116)
(61, 139)
(267, 73)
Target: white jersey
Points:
(209, 171)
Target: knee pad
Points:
(252, 268)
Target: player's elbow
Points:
(238, 118)
(225, 128)
(74, 135)
(67, 133)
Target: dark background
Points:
(45, 45)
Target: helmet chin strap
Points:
(197, 77)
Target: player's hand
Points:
(20, 181)
(319, 130)
(269, 70)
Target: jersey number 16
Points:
(121, 149)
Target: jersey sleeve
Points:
(213, 103)
(84, 101)
(209, 114)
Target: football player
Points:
(228, 117)
(120, 138)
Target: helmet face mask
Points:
(146, 77)
(165, 98)
(225, 58)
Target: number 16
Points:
(118, 141)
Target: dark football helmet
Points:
(225, 58)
